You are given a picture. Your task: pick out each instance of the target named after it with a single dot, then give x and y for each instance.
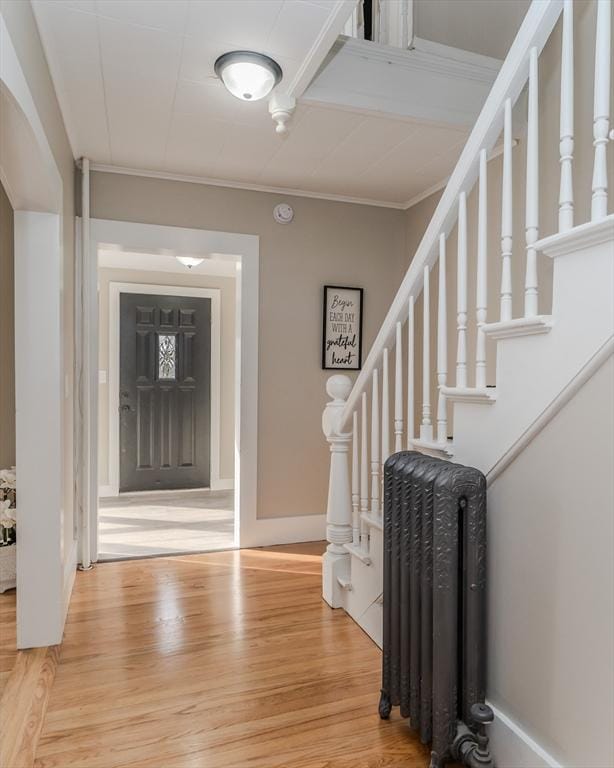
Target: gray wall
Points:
(7, 334)
(327, 242)
(482, 26)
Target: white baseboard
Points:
(223, 484)
(512, 747)
(283, 530)
(70, 570)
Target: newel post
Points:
(336, 560)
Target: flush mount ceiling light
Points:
(189, 261)
(247, 75)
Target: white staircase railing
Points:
(350, 508)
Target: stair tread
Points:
(486, 396)
(519, 327)
(357, 552)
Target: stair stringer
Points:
(532, 371)
(366, 580)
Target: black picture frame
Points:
(329, 333)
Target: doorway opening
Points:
(168, 396)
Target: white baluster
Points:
(398, 390)
(461, 293)
(601, 121)
(442, 344)
(364, 476)
(566, 124)
(506, 216)
(355, 483)
(410, 373)
(532, 196)
(482, 277)
(375, 446)
(335, 563)
(426, 428)
(385, 418)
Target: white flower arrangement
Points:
(8, 504)
(8, 478)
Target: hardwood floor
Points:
(225, 659)
(8, 640)
(23, 705)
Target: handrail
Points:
(533, 34)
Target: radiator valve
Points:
(471, 746)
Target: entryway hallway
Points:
(221, 660)
(171, 522)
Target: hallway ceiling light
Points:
(189, 261)
(247, 75)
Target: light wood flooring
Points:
(226, 659)
(8, 640)
(146, 524)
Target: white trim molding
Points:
(45, 547)
(588, 235)
(115, 291)
(333, 198)
(519, 327)
(512, 747)
(230, 184)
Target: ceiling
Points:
(116, 257)
(136, 86)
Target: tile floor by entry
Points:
(139, 525)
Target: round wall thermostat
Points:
(283, 213)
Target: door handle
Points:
(125, 407)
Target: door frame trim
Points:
(46, 545)
(244, 252)
(115, 291)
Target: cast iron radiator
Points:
(434, 604)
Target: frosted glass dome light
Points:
(248, 76)
(189, 261)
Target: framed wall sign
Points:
(342, 328)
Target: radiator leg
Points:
(436, 760)
(385, 705)
(471, 748)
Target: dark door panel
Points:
(165, 392)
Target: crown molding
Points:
(404, 206)
(103, 168)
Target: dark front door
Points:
(165, 392)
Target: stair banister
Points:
(339, 507)
(601, 119)
(533, 34)
(442, 345)
(482, 276)
(566, 142)
(461, 293)
(532, 190)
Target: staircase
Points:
(522, 370)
